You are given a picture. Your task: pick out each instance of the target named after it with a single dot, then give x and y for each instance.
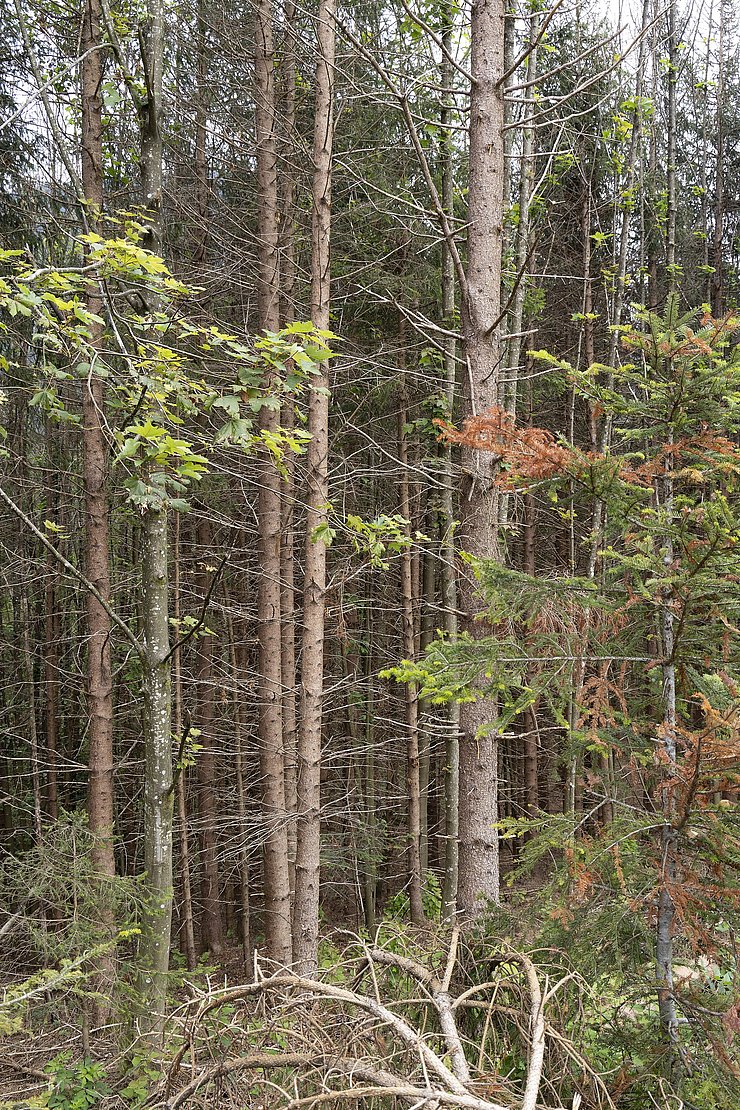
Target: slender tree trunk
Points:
(149, 110)
(211, 919)
(200, 245)
(510, 47)
(100, 801)
(411, 700)
(447, 522)
(718, 291)
(272, 752)
(653, 234)
(239, 657)
(426, 635)
(664, 940)
(212, 930)
(186, 914)
(31, 720)
(288, 662)
(154, 949)
(287, 551)
(241, 800)
(478, 866)
(526, 184)
(531, 739)
(671, 139)
(52, 633)
(306, 922)
(350, 676)
(370, 876)
(290, 152)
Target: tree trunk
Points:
(370, 876)
(306, 912)
(531, 738)
(718, 290)
(241, 801)
(100, 800)
(287, 552)
(478, 809)
(447, 521)
(200, 244)
(186, 914)
(52, 633)
(31, 722)
(149, 110)
(212, 930)
(154, 949)
(272, 753)
(666, 907)
(671, 139)
(426, 635)
(411, 700)
(526, 183)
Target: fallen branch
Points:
(254, 1060)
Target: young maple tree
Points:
(177, 388)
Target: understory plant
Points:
(637, 662)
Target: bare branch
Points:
(449, 235)
(73, 570)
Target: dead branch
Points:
(242, 1063)
(403, 1061)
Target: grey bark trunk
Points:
(272, 752)
(52, 632)
(411, 700)
(154, 949)
(666, 909)
(526, 183)
(288, 567)
(306, 913)
(672, 78)
(186, 915)
(97, 556)
(447, 524)
(212, 930)
(478, 880)
(718, 291)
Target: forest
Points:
(370, 550)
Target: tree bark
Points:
(308, 863)
(289, 495)
(478, 881)
(149, 111)
(154, 948)
(154, 952)
(671, 139)
(243, 883)
(52, 633)
(447, 521)
(526, 183)
(200, 244)
(212, 930)
(272, 752)
(666, 907)
(100, 801)
(426, 635)
(411, 699)
(186, 914)
(31, 721)
(718, 284)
